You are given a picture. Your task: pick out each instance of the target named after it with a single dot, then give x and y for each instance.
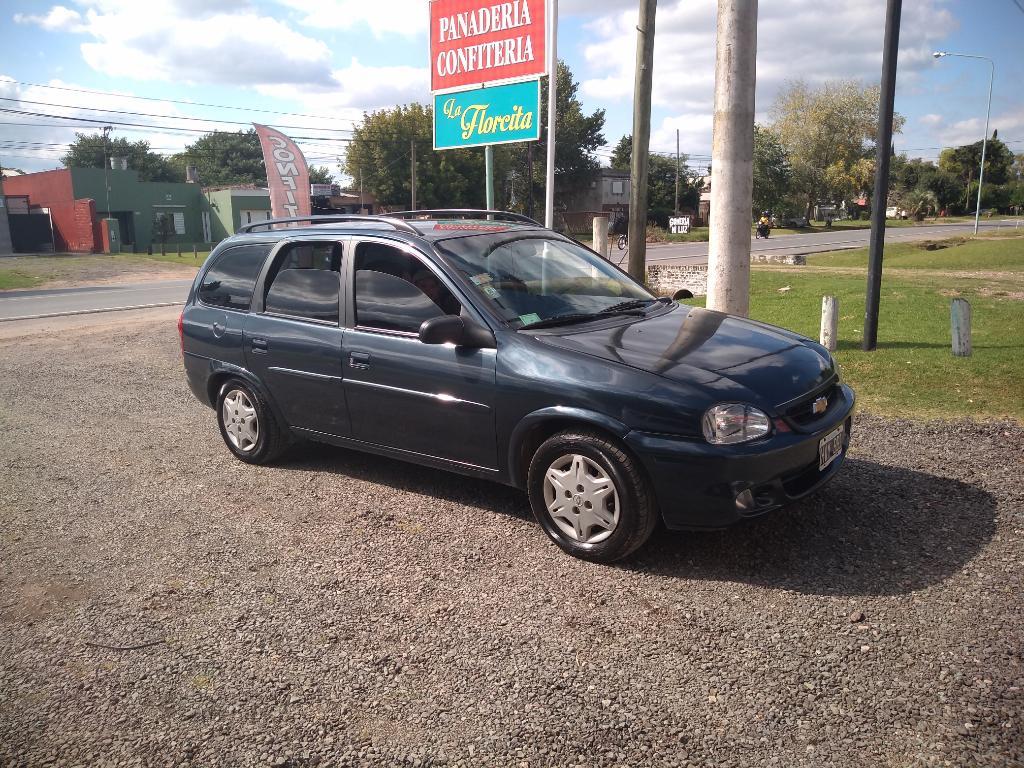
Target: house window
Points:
(179, 223)
(248, 217)
(618, 187)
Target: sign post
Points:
(549, 183)
(486, 58)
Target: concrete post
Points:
(6, 247)
(829, 322)
(732, 157)
(960, 327)
(601, 235)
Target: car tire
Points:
(590, 496)
(247, 424)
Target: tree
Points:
(829, 134)
(454, 178)
(380, 152)
(772, 171)
(225, 159)
(965, 160)
(661, 181)
(90, 151)
(319, 174)
(577, 136)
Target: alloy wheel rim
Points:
(581, 499)
(240, 422)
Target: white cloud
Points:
(359, 87)
(931, 119)
(58, 18)
(195, 42)
(796, 39)
(392, 17)
(1010, 125)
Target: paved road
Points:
(17, 305)
(817, 242)
(63, 301)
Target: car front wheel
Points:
(590, 496)
(247, 425)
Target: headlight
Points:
(735, 423)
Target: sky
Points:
(173, 69)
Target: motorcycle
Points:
(763, 230)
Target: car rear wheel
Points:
(247, 425)
(590, 496)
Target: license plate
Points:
(830, 447)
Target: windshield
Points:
(530, 278)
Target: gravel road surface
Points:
(346, 610)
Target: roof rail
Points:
(465, 213)
(330, 219)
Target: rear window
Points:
(229, 283)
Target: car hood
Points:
(733, 357)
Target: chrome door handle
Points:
(359, 360)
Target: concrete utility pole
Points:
(886, 100)
(677, 173)
(732, 157)
(641, 140)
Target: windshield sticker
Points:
(533, 317)
(491, 291)
(484, 277)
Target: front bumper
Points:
(697, 483)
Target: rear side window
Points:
(229, 283)
(311, 294)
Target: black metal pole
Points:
(886, 100)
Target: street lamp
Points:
(988, 113)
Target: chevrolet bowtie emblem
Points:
(820, 405)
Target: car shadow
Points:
(404, 476)
(875, 530)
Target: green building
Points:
(231, 207)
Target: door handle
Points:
(259, 345)
(359, 360)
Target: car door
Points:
(293, 337)
(435, 400)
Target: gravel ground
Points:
(346, 610)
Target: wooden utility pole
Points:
(412, 152)
(886, 99)
(641, 140)
(732, 157)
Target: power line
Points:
(180, 101)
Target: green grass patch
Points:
(11, 279)
(913, 373)
(959, 254)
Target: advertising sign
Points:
(679, 225)
(498, 115)
(287, 173)
(473, 42)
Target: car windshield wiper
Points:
(631, 304)
(580, 317)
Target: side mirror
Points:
(681, 294)
(453, 329)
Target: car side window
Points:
(397, 292)
(229, 283)
(305, 282)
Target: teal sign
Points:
(498, 115)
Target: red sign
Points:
(287, 174)
(484, 41)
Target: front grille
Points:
(802, 412)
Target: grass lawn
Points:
(34, 271)
(913, 372)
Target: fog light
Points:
(745, 501)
